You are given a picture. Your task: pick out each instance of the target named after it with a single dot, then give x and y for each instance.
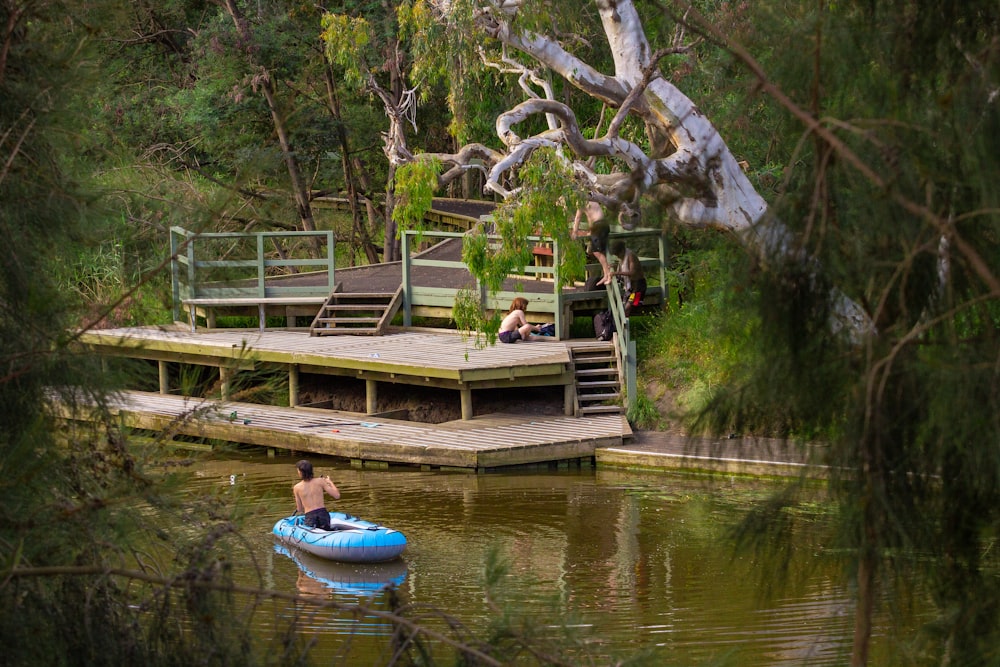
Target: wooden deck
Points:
(480, 444)
(437, 358)
(418, 358)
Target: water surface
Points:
(634, 561)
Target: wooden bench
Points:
(261, 302)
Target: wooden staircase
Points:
(598, 380)
(356, 313)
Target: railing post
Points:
(407, 285)
(261, 284)
(626, 346)
(331, 281)
(175, 277)
(631, 372)
(556, 261)
(192, 280)
(663, 271)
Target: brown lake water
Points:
(637, 561)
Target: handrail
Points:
(625, 348)
(409, 238)
(186, 269)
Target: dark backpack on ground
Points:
(604, 325)
(548, 329)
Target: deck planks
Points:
(412, 356)
(485, 443)
(408, 353)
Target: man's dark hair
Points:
(305, 468)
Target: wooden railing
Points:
(194, 276)
(552, 303)
(444, 297)
(198, 273)
(625, 346)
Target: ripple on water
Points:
(636, 560)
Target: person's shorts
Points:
(510, 336)
(318, 519)
(637, 292)
(599, 232)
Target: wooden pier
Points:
(479, 444)
(416, 358)
(222, 274)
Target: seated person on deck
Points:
(514, 327)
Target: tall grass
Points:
(701, 342)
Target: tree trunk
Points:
(391, 246)
(867, 565)
(299, 189)
(263, 79)
(360, 229)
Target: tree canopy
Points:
(882, 219)
(850, 148)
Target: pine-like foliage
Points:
(71, 497)
(894, 192)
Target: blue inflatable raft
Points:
(352, 540)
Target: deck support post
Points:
(225, 376)
(569, 400)
(293, 385)
(371, 396)
(466, 393)
(164, 377)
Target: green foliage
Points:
(911, 96)
(543, 207)
(416, 183)
(705, 341)
(472, 320)
(643, 413)
(347, 41)
(73, 498)
(445, 53)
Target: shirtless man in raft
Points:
(309, 496)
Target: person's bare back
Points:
(309, 493)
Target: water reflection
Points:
(317, 577)
(639, 560)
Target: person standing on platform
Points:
(309, 496)
(599, 232)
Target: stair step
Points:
(597, 384)
(596, 372)
(598, 397)
(601, 359)
(354, 306)
(348, 320)
(380, 296)
(601, 410)
(344, 331)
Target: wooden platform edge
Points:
(397, 442)
(623, 457)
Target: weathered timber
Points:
(478, 444)
(403, 355)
